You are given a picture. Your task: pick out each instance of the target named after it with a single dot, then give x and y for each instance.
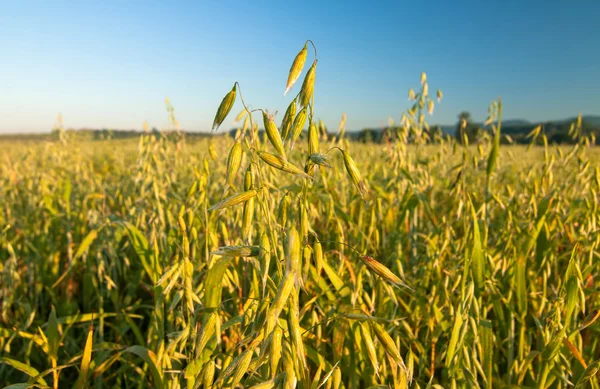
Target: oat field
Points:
(300, 259)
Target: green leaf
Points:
(29, 370)
(53, 335)
(477, 258)
(150, 358)
(85, 360)
(143, 250)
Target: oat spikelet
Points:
(298, 126)
(423, 78)
(224, 108)
(273, 134)
(248, 213)
(318, 255)
(234, 200)
(296, 69)
(275, 355)
(234, 160)
(320, 159)
(370, 346)
(283, 293)
(388, 343)
(439, 95)
(354, 174)
(240, 115)
(292, 265)
(381, 270)
(241, 368)
(237, 251)
(265, 258)
(209, 374)
(207, 331)
(313, 140)
(308, 86)
(279, 163)
(342, 123)
(288, 119)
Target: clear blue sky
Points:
(110, 64)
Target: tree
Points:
(465, 126)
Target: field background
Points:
(107, 243)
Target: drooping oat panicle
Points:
(237, 251)
(273, 134)
(234, 200)
(354, 174)
(288, 120)
(298, 126)
(296, 69)
(281, 164)
(224, 108)
(308, 86)
(234, 161)
(381, 270)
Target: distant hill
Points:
(517, 129)
(515, 124)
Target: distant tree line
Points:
(556, 132)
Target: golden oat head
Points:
(234, 161)
(273, 134)
(313, 140)
(234, 200)
(298, 126)
(355, 175)
(308, 86)
(224, 108)
(296, 69)
(288, 119)
(279, 163)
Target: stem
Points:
(244, 104)
(314, 47)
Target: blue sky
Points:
(110, 64)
